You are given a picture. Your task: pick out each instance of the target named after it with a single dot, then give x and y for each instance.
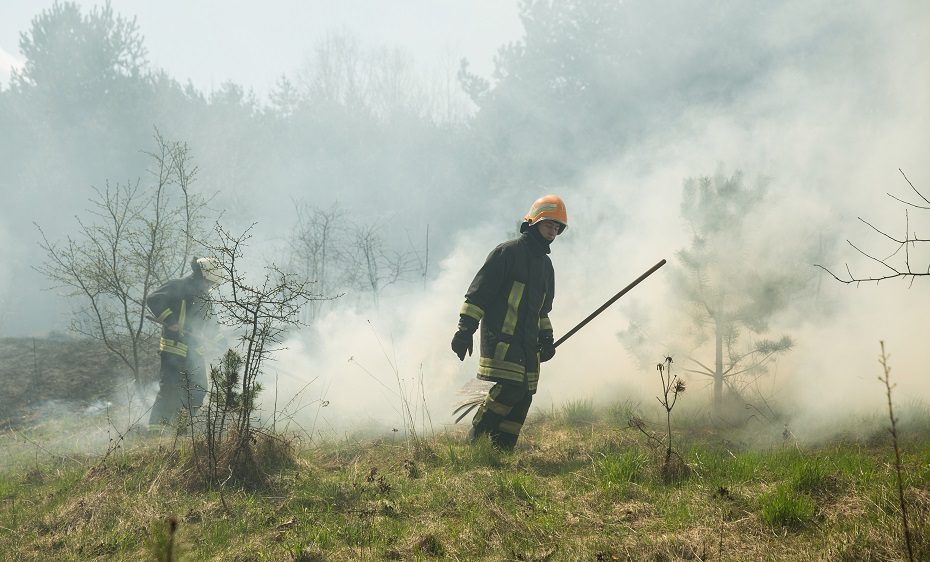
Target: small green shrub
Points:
(783, 507)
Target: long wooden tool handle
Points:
(613, 299)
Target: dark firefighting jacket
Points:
(183, 302)
(511, 296)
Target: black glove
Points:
(546, 348)
(462, 341)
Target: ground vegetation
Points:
(574, 490)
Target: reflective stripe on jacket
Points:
(182, 302)
(511, 296)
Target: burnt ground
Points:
(36, 370)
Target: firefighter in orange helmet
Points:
(510, 298)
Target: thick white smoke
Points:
(829, 132)
(367, 365)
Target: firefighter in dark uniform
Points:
(511, 297)
(184, 310)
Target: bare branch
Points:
(878, 230)
(708, 369)
(903, 275)
(907, 272)
(898, 199)
(919, 194)
(873, 258)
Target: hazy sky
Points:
(253, 44)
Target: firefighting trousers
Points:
(182, 387)
(502, 414)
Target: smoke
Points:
(831, 102)
(67, 431)
(828, 128)
(6, 257)
(830, 133)
(369, 364)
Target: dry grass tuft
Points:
(251, 466)
(428, 545)
(674, 469)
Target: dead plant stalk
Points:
(886, 380)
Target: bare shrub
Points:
(135, 236)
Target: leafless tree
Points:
(422, 263)
(316, 248)
(450, 105)
(373, 266)
(332, 74)
(340, 254)
(898, 263)
(393, 88)
(133, 238)
(380, 82)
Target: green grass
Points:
(785, 507)
(579, 413)
(809, 476)
(464, 456)
(615, 471)
(569, 492)
(518, 486)
(620, 413)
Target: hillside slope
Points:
(578, 487)
(77, 370)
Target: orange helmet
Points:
(548, 208)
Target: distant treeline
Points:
(361, 121)
(356, 125)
